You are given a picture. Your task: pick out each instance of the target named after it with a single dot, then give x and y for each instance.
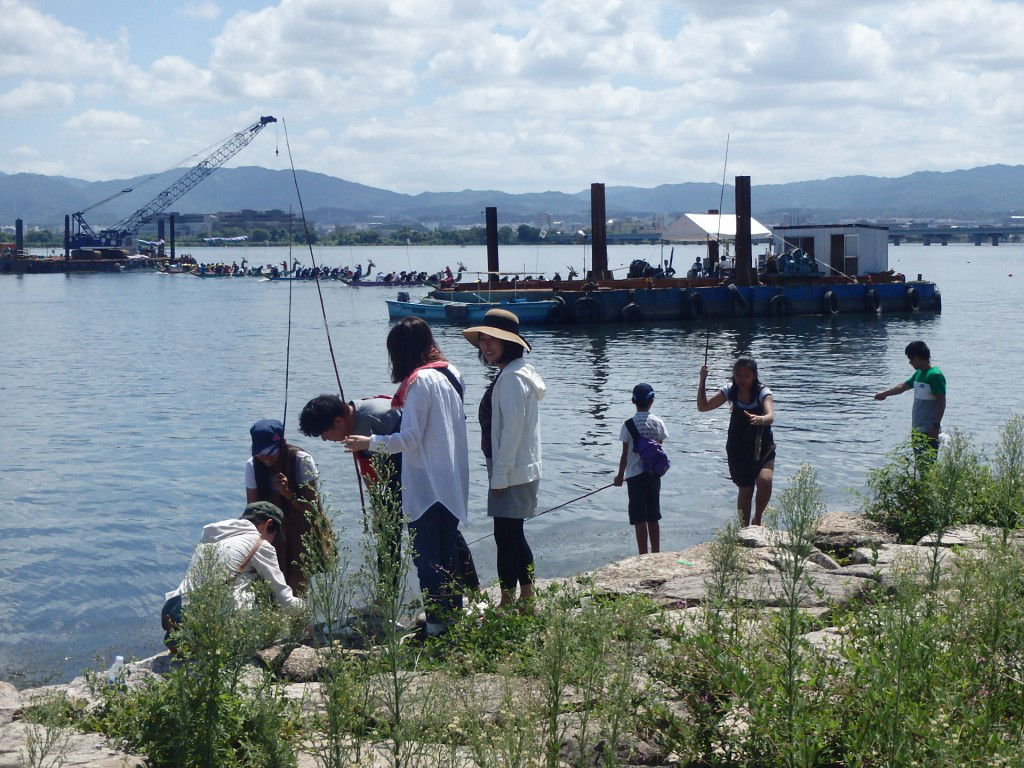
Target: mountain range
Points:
(985, 193)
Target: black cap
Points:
(643, 393)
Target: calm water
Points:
(127, 399)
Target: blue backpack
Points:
(652, 456)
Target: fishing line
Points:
(323, 310)
(552, 509)
(312, 258)
(288, 346)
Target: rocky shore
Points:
(852, 555)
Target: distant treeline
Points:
(523, 234)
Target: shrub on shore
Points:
(918, 492)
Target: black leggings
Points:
(515, 560)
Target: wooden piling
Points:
(491, 214)
(744, 252)
(599, 235)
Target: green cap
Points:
(264, 510)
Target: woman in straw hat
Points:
(510, 439)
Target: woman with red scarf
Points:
(435, 462)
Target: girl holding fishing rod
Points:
(750, 446)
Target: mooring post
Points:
(712, 259)
(19, 237)
(170, 221)
(491, 214)
(744, 251)
(599, 235)
(67, 239)
(160, 237)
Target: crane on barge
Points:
(81, 237)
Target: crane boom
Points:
(85, 237)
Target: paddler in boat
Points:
(286, 476)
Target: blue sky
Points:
(517, 95)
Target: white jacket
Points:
(231, 542)
(515, 427)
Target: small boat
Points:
(529, 311)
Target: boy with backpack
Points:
(642, 464)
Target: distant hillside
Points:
(991, 191)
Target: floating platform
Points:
(697, 299)
(33, 266)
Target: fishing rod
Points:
(552, 509)
(721, 194)
(323, 310)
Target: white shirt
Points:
(648, 425)
(432, 441)
(230, 542)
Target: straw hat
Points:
(499, 323)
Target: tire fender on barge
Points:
(780, 305)
(830, 303)
(739, 301)
(586, 310)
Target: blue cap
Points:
(643, 393)
(267, 435)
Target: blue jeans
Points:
(436, 557)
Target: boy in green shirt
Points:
(929, 387)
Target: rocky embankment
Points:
(852, 555)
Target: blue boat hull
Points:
(638, 304)
(462, 313)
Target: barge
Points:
(827, 270)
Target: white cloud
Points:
(40, 46)
(207, 11)
(107, 124)
(535, 94)
(35, 97)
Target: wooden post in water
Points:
(170, 221)
(19, 237)
(160, 236)
(713, 244)
(599, 235)
(744, 252)
(491, 214)
(67, 240)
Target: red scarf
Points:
(398, 400)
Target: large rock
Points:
(889, 562)
(680, 579)
(10, 702)
(69, 749)
(963, 536)
(841, 532)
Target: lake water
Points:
(128, 399)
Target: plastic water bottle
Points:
(116, 671)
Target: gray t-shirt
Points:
(375, 416)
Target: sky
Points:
(514, 95)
